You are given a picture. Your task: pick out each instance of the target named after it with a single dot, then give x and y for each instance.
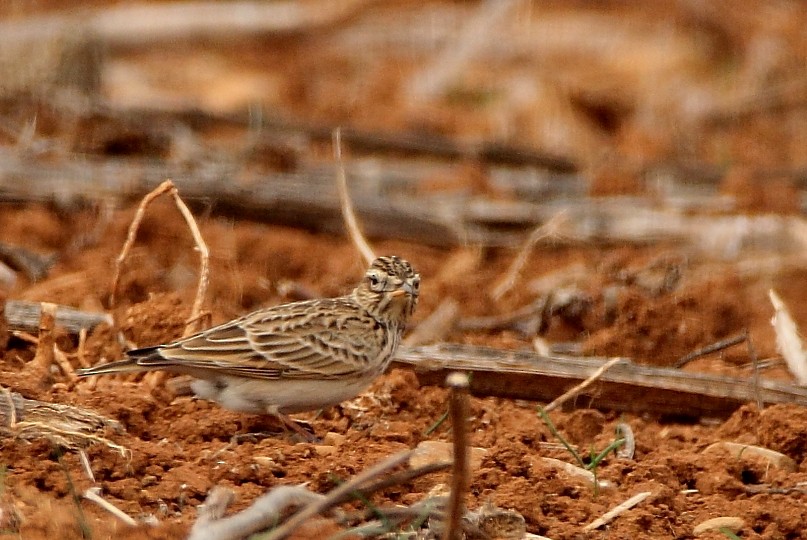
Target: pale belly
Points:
(278, 396)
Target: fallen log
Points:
(308, 198)
(624, 387)
(24, 316)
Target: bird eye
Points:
(374, 280)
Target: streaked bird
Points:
(292, 357)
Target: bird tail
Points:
(133, 363)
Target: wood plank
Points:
(625, 387)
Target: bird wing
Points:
(309, 341)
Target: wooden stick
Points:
(348, 214)
(458, 385)
(44, 349)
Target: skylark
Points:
(292, 357)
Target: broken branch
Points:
(24, 316)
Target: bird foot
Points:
(298, 428)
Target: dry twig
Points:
(582, 386)
(531, 316)
(64, 364)
(81, 350)
(336, 496)
(404, 476)
(204, 254)
(348, 213)
(94, 494)
(546, 230)
(458, 384)
(266, 511)
(709, 349)
(617, 511)
(578, 473)
(85, 463)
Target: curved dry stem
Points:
(201, 246)
(348, 213)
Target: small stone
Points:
(573, 471)
(148, 480)
(734, 524)
(334, 439)
(737, 450)
(428, 452)
(265, 461)
(324, 449)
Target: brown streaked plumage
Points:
(292, 357)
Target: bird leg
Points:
(291, 425)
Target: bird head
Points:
(389, 290)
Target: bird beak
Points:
(406, 289)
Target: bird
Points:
(293, 357)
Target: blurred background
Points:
(629, 98)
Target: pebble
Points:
(428, 452)
(737, 450)
(734, 524)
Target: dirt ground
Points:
(180, 447)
